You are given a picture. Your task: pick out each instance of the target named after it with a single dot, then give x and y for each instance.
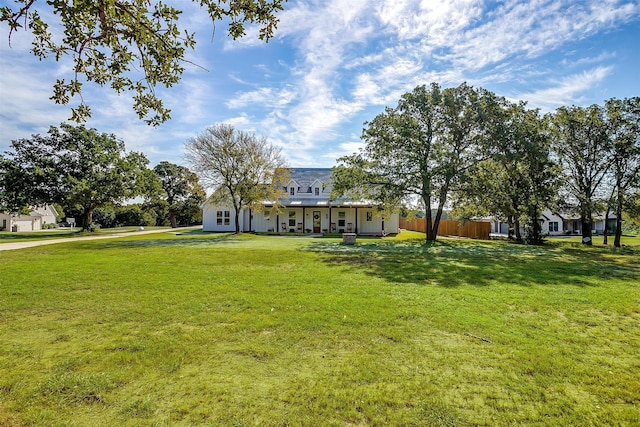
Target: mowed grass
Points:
(626, 240)
(215, 329)
(59, 233)
(62, 233)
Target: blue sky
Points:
(335, 64)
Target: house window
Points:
(292, 218)
(369, 216)
(267, 215)
(317, 191)
(341, 218)
(553, 226)
(223, 217)
(292, 191)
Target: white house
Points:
(560, 224)
(39, 216)
(307, 210)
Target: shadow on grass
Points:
(455, 263)
(187, 239)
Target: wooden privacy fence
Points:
(449, 227)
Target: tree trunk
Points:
(605, 233)
(436, 222)
(587, 235)
(237, 216)
(516, 225)
(431, 233)
(617, 240)
(172, 216)
(536, 227)
(510, 227)
(442, 199)
(87, 218)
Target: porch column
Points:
(303, 218)
(356, 229)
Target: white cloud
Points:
(241, 122)
(566, 91)
(533, 29)
(350, 56)
(265, 97)
(331, 63)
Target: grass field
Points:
(216, 329)
(62, 233)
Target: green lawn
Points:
(629, 240)
(61, 233)
(216, 329)
(25, 236)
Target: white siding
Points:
(552, 224)
(374, 226)
(263, 223)
(27, 223)
(219, 218)
(392, 224)
(5, 222)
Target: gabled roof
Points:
(305, 177)
(42, 210)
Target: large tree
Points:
(624, 130)
(420, 149)
(242, 169)
(182, 189)
(75, 167)
(583, 148)
(519, 180)
(14, 191)
(130, 45)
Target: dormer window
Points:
(292, 191)
(317, 191)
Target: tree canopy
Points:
(130, 45)
(242, 169)
(466, 148)
(518, 180)
(420, 149)
(583, 148)
(75, 167)
(181, 188)
(623, 117)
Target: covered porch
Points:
(322, 218)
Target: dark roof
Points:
(306, 176)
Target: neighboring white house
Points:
(306, 210)
(557, 224)
(39, 216)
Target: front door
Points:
(316, 221)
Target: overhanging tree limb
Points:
(108, 39)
